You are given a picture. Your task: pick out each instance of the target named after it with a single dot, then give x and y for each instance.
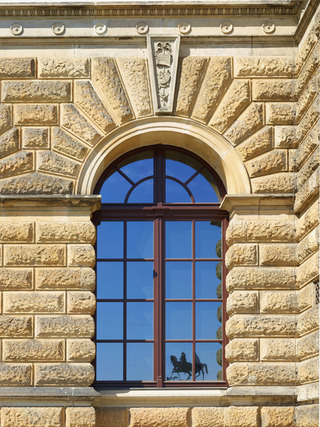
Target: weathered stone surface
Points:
(242, 302)
(9, 142)
(306, 297)
(309, 120)
(304, 50)
(280, 113)
(242, 350)
(308, 346)
(81, 256)
(280, 254)
(307, 415)
(17, 68)
(307, 192)
(264, 66)
(308, 70)
(33, 302)
(65, 278)
(65, 144)
(279, 302)
(207, 417)
(306, 148)
(47, 161)
(35, 137)
(5, 119)
(64, 326)
(235, 415)
(308, 370)
(15, 375)
(16, 231)
(13, 279)
(284, 136)
(80, 350)
(106, 77)
(64, 374)
(257, 144)
(274, 161)
(35, 114)
(273, 416)
(241, 255)
(80, 232)
(279, 349)
(247, 124)
(308, 245)
(15, 326)
(36, 255)
(80, 417)
(262, 374)
(36, 91)
(112, 417)
(308, 321)
(233, 104)
(16, 164)
(308, 220)
(33, 350)
(276, 183)
(255, 326)
(31, 416)
(88, 100)
(308, 168)
(81, 302)
(157, 417)
(64, 67)
(273, 90)
(76, 123)
(134, 74)
(306, 98)
(215, 84)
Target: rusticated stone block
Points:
(308, 220)
(257, 144)
(306, 297)
(306, 147)
(88, 100)
(134, 74)
(64, 374)
(33, 302)
(215, 84)
(308, 245)
(64, 326)
(157, 417)
(207, 417)
(304, 50)
(285, 136)
(5, 118)
(35, 114)
(308, 120)
(307, 192)
(15, 375)
(64, 67)
(233, 104)
(241, 255)
(36, 255)
(80, 350)
(112, 417)
(16, 164)
(306, 98)
(65, 278)
(235, 416)
(308, 346)
(81, 302)
(279, 254)
(279, 302)
(273, 90)
(65, 144)
(274, 416)
(35, 137)
(242, 350)
(36, 91)
(15, 326)
(75, 122)
(276, 183)
(262, 374)
(242, 302)
(35, 183)
(9, 142)
(308, 370)
(274, 161)
(308, 168)
(308, 321)
(280, 113)
(307, 415)
(80, 417)
(81, 256)
(308, 70)
(14, 279)
(308, 271)
(17, 68)
(66, 232)
(33, 350)
(50, 162)
(16, 231)
(264, 66)
(31, 416)
(279, 349)
(255, 326)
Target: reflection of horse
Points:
(200, 367)
(181, 365)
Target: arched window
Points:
(160, 271)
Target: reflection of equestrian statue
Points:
(186, 367)
(200, 367)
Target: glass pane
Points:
(140, 280)
(139, 320)
(109, 280)
(109, 362)
(140, 361)
(207, 237)
(179, 362)
(143, 193)
(110, 239)
(178, 239)
(178, 320)
(208, 319)
(208, 361)
(202, 190)
(207, 282)
(115, 189)
(175, 193)
(180, 165)
(139, 169)
(109, 320)
(140, 239)
(178, 279)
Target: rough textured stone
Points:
(279, 302)
(16, 164)
(308, 370)
(273, 90)
(307, 415)
(308, 321)
(157, 417)
(16, 231)
(35, 137)
(106, 77)
(81, 302)
(15, 326)
(15, 375)
(279, 349)
(35, 114)
(307, 192)
(308, 346)
(273, 416)
(255, 326)
(304, 50)
(308, 70)
(257, 144)
(112, 417)
(234, 416)
(80, 417)
(64, 374)
(274, 161)
(306, 98)
(207, 417)
(308, 245)
(33, 350)
(282, 182)
(9, 142)
(280, 113)
(280, 254)
(261, 374)
(88, 100)
(17, 68)
(241, 255)
(306, 297)
(308, 220)
(64, 67)
(35, 183)
(264, 66)
(81, 256)
(65, 278)
(14, 279)
(31, 416)
(50, 162)
(215, 84)
(242, 350)
(33, 302)
(309, 120)
(65, 144)
(134, 74)
(80, 350)
(64, 326)
(36, 255)
(5, 119)
(308, 168)
(36, 91)
(233, 104)
(81, 232)
(306, 148)
(242, 302)
(284, 136)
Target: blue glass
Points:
(109, 280)
(140, 280)
(178, 279)
(206, 279)
(202, 190)
(110, 239)
(115, 189)
(178, 239)
(179, 361)
(207, 321)
(178, 320)
(140, 239)
(109, 362)
(143, 193)
(207, 237)
(139, 320)
(140, 361)
(179, 170)
(176, 193)
(109, 320)
(206, 361)
(139, 169)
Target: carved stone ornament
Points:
(226, 27)
(163, 62)
(142, 28)
(100, 28)
(58, 29)
(184, 28)
(16, 29)
(268, 27)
